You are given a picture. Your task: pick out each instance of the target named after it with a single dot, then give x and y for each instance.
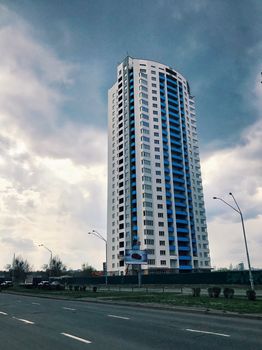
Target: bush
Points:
(251, 294)
(214, 292)
(70, 287)
(76, 288)
(228, 293)
(196, 292)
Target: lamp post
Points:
(98, 235)
(51, 254)
(238, 210)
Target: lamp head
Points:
(230, 193)
(214, 197)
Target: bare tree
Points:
(87, 270)
(19, 268)
(55, 268)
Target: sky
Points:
(58, 60)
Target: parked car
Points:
(57, 286)
(6, 284)
(44, 285)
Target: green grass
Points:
(237, 304)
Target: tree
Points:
(87, 270)
(55, 268)
(19, 268)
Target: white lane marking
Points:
(36, 303)
(205, 332)
(77, 338)
(23, 320)
(68, 308)
(115, 316)
(3, 313)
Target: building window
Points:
(163, 262)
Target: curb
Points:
(152, 306)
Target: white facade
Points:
(155, 195)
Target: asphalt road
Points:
(46, 324)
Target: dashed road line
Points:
(23, 320)
(206, 332)
(77, 338)
(3, 313)
(36, 303)
(115, 316)
(68, 308)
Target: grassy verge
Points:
(237, 304)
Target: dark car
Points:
(44, 285)
(57, 286)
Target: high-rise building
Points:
(155, 194)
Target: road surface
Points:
(30, 323)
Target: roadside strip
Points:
(153, 306)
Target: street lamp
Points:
(98, 235)
(51, 254)
(238, 210)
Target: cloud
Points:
(236, 169)
(52, 168)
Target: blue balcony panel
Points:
(171, 229)
(185, 267)
(183, 239)
(177, 204)
(184, 257)
(179, 196)
(172, 247)
(179, 212)
(181, 221)
(184, 249)
(171, 238)
(135, 237)
(182, 230)
(179, 188)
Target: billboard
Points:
(137, 257)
